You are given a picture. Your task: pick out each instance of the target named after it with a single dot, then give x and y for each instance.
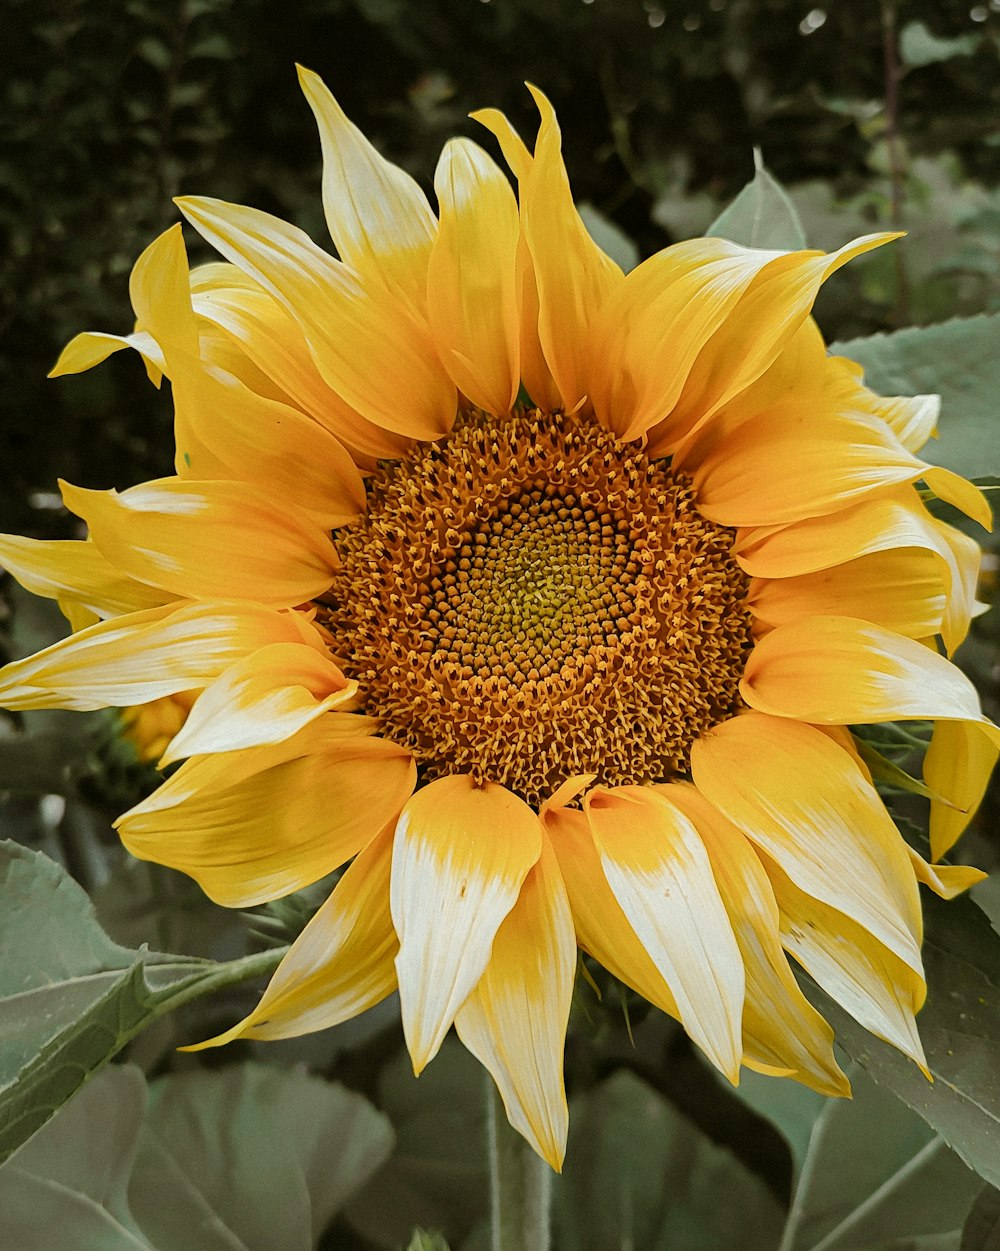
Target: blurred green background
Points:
(872, 115)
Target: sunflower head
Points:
(541, 595)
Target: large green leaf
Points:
(873, 1175)
(70, 998)
(958, 360)
(639, 1174)
(959, 1027)
(761, 216)
(241, 1158)
(437, 1176)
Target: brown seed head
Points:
(530, 599)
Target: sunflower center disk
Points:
(530, 599)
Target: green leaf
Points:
(639, 1174)
(959, 1026)
(437, 1177)
(875, 1173)
(70, 998)
(761, 216)
(982, 1226)
(609, 236)
(791, 1107)
(423, 1241)
(247, 1157)
(958, 360)
(919, 46)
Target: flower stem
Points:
(520, 1184)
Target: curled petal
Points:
(781, 1029)
(264, 698)
(602, 928)
(881, 992)
(367, 342)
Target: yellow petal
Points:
(781, 1029)
(339, 966)
(759, 326)
(209, 539)
(535, 372)
(86, 350)
(226, 431)
(263, 698)
(161, 295)
(946, 880)
(745, 479)
(573, 275)
(856, 970)
(655, 322)
(845, 671)
(368, 344)
(281, 828)
(896, 519)
(379, 219)
(258, 326)
(73, 570)
(958, 764)
(602, 928)
(802, 800)
(659, 871)
(145, 655)
(515, 1020)
(471, 295)
(461, 854)
(900, 590)
(912, 418)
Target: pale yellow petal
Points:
(803, 800)
(339, 966)
(602, 928)
(515, 1020)
(263, 698)
(460, 856)
(279, 829)
(945, 880)
(142, 656)
(660, 873)
(379, 219)
(845, 671)
(217, 540)
(471, 288)
(71, 570)
(881, 992)
(781, 1029)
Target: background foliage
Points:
(871, 116)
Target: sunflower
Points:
(543, 597)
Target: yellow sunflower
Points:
(544, 595)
